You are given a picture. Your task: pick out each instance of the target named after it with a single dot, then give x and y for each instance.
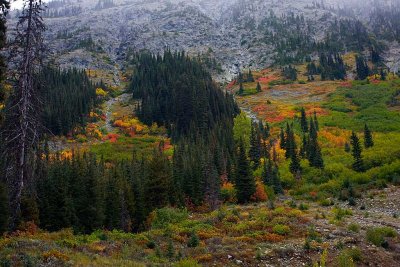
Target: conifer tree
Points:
(303, 121)
(159, 180)
(368, 140)
(3, 209)
(241, 89)
(294, 166)
(250, 77)
(358, 164)
(316, 124)
(245, 183)
(282, 139)
(255, 146)
(259, 87)
(362, 68)
(304, 147)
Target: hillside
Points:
(201, 133)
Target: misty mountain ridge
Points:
(238, 34)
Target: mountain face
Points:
(238, 34)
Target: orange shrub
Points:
(260, 194)
(270, 237)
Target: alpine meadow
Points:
(200, 133)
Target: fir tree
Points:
(245, 183)
(3, 209)
(250, 77)
(158, 181)
(282, 139)
(362, 68)
(259, 87)
(241, 89)
(368, 141)
(358, 164)
(316, 124)
(294, 166)
(303, 121)
(255, 146)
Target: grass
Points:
(378, 235)
(352, 107)
(123, 148)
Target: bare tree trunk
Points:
(22, 125)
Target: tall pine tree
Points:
(358, 164)
(245, 182)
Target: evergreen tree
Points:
(304, 147)
(255, 146)
(245, 183)
(362, 68)
(368, 141)
(282, 139)
(259, 87)
(3, 209)
(250, 77)
(316, 124)
(241, 89)
(271, 177)
(294, 166)
(383, 75)
(358, 164)
(303, 121)
(159, 180)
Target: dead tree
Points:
(22, 127)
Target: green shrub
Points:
(353, 227)
(340, 213)
(303, 206)
(354, 253)
(193, 241)
(344, 260)
(377, 235)
(326, 202)
(281, 229)
(161, 218)
(187, 263)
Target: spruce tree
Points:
(258, 87)
(255, 146)
(368, 141)
(282, 139)
(245, 183)
(3, 209)
(303, 121)
(358, 164)
(250, 77)
(294, 166)
(241, 89)
(159, 180)
(362, 68)
(316, 124)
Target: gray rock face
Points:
(226, 30)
